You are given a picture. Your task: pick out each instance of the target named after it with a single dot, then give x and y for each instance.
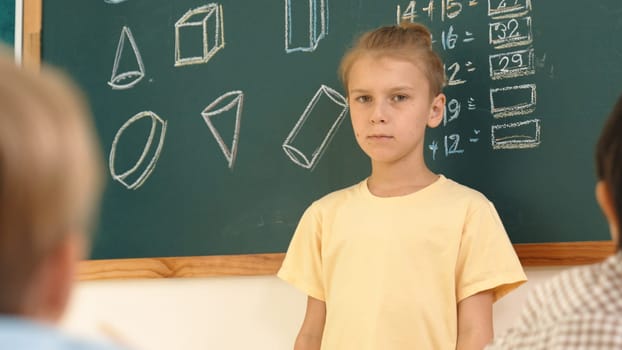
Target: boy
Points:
(406, 259)
(50, 179)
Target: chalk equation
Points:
(509, 34)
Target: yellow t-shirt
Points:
(392, 270)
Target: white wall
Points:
(215, 313)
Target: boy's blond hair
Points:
(409, 41)
(50, 173)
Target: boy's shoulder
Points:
(460, 194)
(341, 194)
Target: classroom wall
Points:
(261, 313)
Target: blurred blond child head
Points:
(50, 179)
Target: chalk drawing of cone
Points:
(128, 68)
(315, 128)
(221, 108)
(306, 23)
(139, 169)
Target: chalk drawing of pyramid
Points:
(130, 64)
(221, 108)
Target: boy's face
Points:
(390, 106)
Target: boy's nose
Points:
(378, 115)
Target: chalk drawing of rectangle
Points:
(512, 64)
(306, 23)
(502, 8)
(315, 128)
(208, 22)
(525, 134)
(513, 100)
(510, 33)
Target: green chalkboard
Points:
(221, 122)
(7, 22)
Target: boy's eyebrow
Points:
(358, 91)
(392, 89)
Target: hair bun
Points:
(418, 29)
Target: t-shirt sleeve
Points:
(486, 260)
(302, 266)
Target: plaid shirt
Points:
(581, 308)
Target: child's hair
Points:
(410, 41)
(609, 158)
(50, 172)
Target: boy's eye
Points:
(398, 98)
(363, 99)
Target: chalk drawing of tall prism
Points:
(315, 128)
(306, 23)
(138, 173)
(219, 108)
(199, 35)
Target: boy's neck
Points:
(391, 181)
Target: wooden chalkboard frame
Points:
(531, 254)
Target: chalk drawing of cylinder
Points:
(199, 35)
(131, 66)
(525, 134)
(136, 175)
(513, 100)
(219, 108)
(315, 128)
(306, 23)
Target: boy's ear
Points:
(56, 278)
(437, 111)
(605, 200)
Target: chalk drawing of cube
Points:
(306, 23)
(315, 128)
(199, 35)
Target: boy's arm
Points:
(310, 335)
(475, 321)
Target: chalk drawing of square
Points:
(510, 33)
(134, 177)
(513, 100)
(525, 134)
(512, 64)
(206, 25)
(315, 128)
(306, 23)
(219, 108)
(503, 9)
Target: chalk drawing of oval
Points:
(134, 177)
(135, 69)
(114, 1)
